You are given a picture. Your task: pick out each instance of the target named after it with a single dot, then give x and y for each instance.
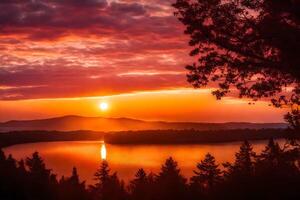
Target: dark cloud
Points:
(66, 15)
(81, 3)
(133, 9)
(54, 19)
(69, 48)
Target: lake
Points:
(125, 159)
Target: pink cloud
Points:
(77, 48)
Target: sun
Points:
(103, 106)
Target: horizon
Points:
(188, 104)
(82, 116)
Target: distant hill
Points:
(72, 123)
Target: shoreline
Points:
(146, 137)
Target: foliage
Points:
(170, 184)
(249, 46)
(108, 186)
(72, 188)
(139, 187)
(208, 174)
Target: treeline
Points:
(272, 174)
(196, 137)
(145, 137)
(21, 137)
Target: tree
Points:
(13, 178)
(239, 176)
(293, 119)
(252, 46)
(72, 188)
(207, 175)
(8, 176)
(102, 174)
(270, 162)
(244, 161)
(274, 159)
(42, 183)
(108, 186)
(276, 173)
(271, 153)
(21, 167)
(21, 181)
(170, 184)
(140, 186)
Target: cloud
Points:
(133, 9)
(40, 82)
(57, 48)
(55, 17)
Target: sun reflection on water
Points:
(103, 151)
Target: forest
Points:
(272, 174)
(189, 136)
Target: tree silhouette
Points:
(10, 183)
(207, 175)
(12, 178)
(4, 187)
(170, 184)
(21, 181)
(276, 172)
(293, 119)
(244, 161)
(239, 176)
(42, 183)
(102, 174)
(108, 186)
(271, 153)
(21, 167)
(276, 158)
(252, 46)
(72, 188)
(139, 187)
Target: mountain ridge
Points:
(75, 122)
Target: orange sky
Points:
(60, 57)
(169, 105)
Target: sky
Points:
(64, 57)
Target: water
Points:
(125, 159)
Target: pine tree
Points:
(11, 162)
(43, 183)
(8, 174)
(108, 186)
(102, 175)
(2, 155)
(170, 184)
(240, 175)
(21, 167)
(2, 162)
(244, 161)
(74, 179)
(72, 188)
(37, 167)
(21, 181)
(207, 174)
(139, 187)
(271, 155)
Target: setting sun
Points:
(103, 106)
